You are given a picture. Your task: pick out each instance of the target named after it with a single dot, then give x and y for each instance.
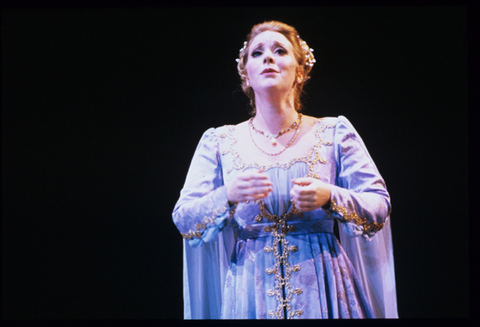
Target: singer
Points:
(260, 200)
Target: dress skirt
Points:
(317, 282)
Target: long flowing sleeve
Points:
(359, 198)
(202, 209)
(202, 214)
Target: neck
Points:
(274, 116)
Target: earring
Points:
(248, 83)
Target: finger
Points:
(294, 193)
(302, 181)
(302, 190)
(253, 175)
(252, 182)
(305, 209)
(243, 185)
(306, 192)
(259, 186)
(260, 183)
(260, 196)
(299, 206)
(302, 206)
(257, 190)
(302, 195)
(259, 177)
(257, 196)
(264, 189)
(306, 198)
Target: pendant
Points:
(274, 141)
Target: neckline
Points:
(311, 156)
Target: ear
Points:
(299, 75)
(247, 82)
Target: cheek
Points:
(290, 66)
(250, 68)
(291, 70)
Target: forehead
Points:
(270, 37)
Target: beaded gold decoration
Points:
(354, 217)
(297, 130)
(280, 250)
(200, 227)
(273, 137)
(311, 158)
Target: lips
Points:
(269, 70)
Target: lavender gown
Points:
(265, 259)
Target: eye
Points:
(280, 51)
(256, 53)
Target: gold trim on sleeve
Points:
(371, 227)
(200, 227)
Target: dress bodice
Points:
(316, 161)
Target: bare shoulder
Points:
(309, 120)
(242, 127)
(242, 124)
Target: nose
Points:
(268, 58)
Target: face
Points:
(271, 63)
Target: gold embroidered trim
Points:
(311, 158)
(279, 229)
(199, 228)
(293, 248)
(372, 227)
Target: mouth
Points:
(269, 70)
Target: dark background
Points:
(102, 110)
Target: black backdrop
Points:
(102, 110)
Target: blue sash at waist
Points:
(300, 227)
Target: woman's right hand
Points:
(249, 186)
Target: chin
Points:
(274, 86)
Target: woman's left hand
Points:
(309, 193)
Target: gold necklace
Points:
(273, 137)
(289, 143)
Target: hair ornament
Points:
(244, 46)
(310, 59)
(241, 50)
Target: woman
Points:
(258, 206)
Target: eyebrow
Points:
(275, 43)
